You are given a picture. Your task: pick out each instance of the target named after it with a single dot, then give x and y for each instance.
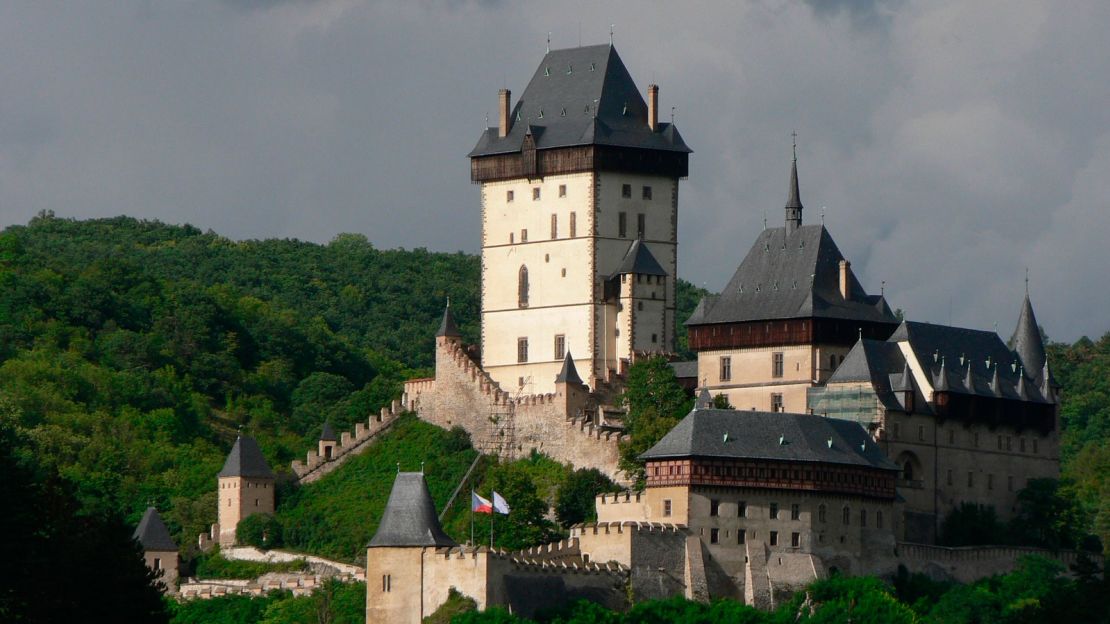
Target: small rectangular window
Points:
(626, 190)
(512, 237)
(975, 439)
(1021, 445)
(554, 226)
(795, 540)
(641, 225)
(741, 535)
(863, 517)
(970, 479)
(508, 196)
(386, 583)
(990, 481)
(573, 225)
(1000, 443)
(714, 507)
(562, 190)
(795, 512)
(524, 236)
(560, 346)
(951, 436)
(776, 402)
(949, 476)
(535, 193)
(1009, 443)
(774, 538)
(714, 536)
(774, 511)
(157, 563)
(776, 364)
(622, 224)
(521, 350)
(1034, 445)
(647, 192)
(726, 368)
(666, 507)
(921, 433)
(742, 509)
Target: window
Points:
(667, 507)
(521, 350)
(560, 346)
(508, 196)
(554, 226)
(714, 536)
(921, 433)
(822, 516)
(774, 538)
(640, 225)
(741, 536)
(535, 193)
(622, 224)
(742, 509)
(647, 192)
(726, 368)
(626, 190)
(1000, 443)
(975, 439)
(1009, 443)
(990, 481)
(847, 516)
(639, 306)
(1021, 445)
(157, 563)
(524, 236)
(949, 476)
(863, 517)
(776, 364)
(522, 288)
(951, 436)
(795, 512)
(714, 507)
(879, 519)
(512, 237)
(795, 540)
(1034, 445)
(832, 362)
(654, 338)
(970, 479)
(573, 225)
(386, 583)
(562, 190)
(896, 431)
(776, 402)
(774, 508)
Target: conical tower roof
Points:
(794, 195)
(152, 532)
(568, 374)
(1027, 340)
(941, 384)
(704, 401)
(246, 460)
(327, 434)
(447, 326)
(410, 516)
(905, 383)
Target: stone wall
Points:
(560, 424)
(654, 552)
(970, 563)
(350, 444)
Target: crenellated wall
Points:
(350, 444)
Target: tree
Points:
(575, 497)
(259, 530)
(720, 401)
(655, 403)
(1048, 516)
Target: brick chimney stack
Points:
(653, 107)
(503, 125)
(845, 268)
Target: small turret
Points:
(159, 549)
(704, 400)
(568, 374)
(1027, 341)
(906, 388)
(941, 382)
(447, 327)
(794, 198)
(328, 441)
(246, 487)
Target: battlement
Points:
(626, 526)
(350, 443)
(560, 557)
(965, 554)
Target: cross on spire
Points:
(794, 137)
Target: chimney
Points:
(503, 126)
(653, 107)
(845, 272)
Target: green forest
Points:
(131, 352)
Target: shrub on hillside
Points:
(259, 530)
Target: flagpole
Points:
(491, 515)
(472, 518)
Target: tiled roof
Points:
(246, 460)
(152, 532)
(410, 516)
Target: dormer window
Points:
(546, 71)
(541, 113)
(563, 113)
(570, 69)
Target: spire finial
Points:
(794, 136)
(1026, 281)
(421, 467)
(882, 288)
(398, 467)
(549, 41)
(611, 34)
(448, 301)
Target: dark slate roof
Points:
(410, 516)
(971, 358)
(327, 434)
(881, 364)
(152, 532)
(685, 370)
(447, 326)
(704, 401)
(794, 197)
(792, 275)
(586, 97)
(770, 435)
(1027, 342)
(246, 460)
(639, 260)
(568, 374)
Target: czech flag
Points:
(499, 504)
(479, 504)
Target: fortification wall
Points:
(967, 564)
(655, 554)
(350, 444)
(509, 426)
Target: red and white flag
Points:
(479, 504)
(499, 504)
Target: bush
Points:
(574, 500)
(259, 530)
(215, 566)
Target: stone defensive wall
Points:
(298, 584)
(654, 552)
(615, 507)
(969, 563)
(511, 426)
(350, 443)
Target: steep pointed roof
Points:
(940, 382)
(327, 434)
(581, 96)
(792, 274)
(447, 326)
(568, 374)
(1027, 341)
(246, 460)
(704, 401)
(152, 532)
(639, 260)
(410, 516)
(794, 197)
(905, 380)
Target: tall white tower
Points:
(579, 223)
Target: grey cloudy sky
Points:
(952, 143)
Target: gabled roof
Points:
(410, 516)
(882, 365)
(581, 96)
(1027, 341)
(152, 532)
(568, 374)
(792, 275)
(246, 460)
(639, 260)
(738, 434)
(685, 370)
(327, 434)
(447, 326)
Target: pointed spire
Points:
(569, 374)
(996, 384)
(410, 517)
(794, 199)
(327, 434)
(969, 379)
(1027, 340)
(447, 327)
(905, 384)
(941, 384)
(152, 532)
(1048, 384)
(704, 401)
(1022, 391)
(246, 460)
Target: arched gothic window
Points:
(522, 287)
